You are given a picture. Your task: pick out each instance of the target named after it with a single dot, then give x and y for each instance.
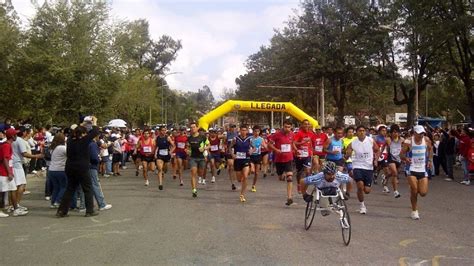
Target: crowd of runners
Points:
(75, 158)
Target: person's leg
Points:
(443, 164)
(230, 168)
(436, 163)
(72, 183)
(265, 165)
(413, 183)
(450, 165)
(393, 176)
(53, 176)
(422, 187)
(62, 183)
(179, 169)
(145, 171)
(243, 178)
(96, 189)
(160, 164)
(465, 169)
(86, 185)
(289, 186)
(257, 167)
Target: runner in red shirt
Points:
(180, 151)
(282, 145)
(319, 138)
(146, 148)
(303, 143)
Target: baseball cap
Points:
(73, 126)
(272, 130)
(419, 129)
(11, 132)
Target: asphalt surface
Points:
(147, 226)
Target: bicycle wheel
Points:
(345, 222)
(309, 213)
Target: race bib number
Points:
(303, 153)
(362, 156)
(418, 161)
(163, 152)
(285, 147)
(214, 148)
(318, 148)
(337, 148)
(181, 145)
(241, 155)
(146, 149)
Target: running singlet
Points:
(304, 150)
(395, 149)
(146, 147)
(242, 147)
(163, 146)
(256, 142)
(181, 141)
(363, 153)
(345, 144)
(335, 145)
(229, 138)
(382, 142)
(283, 142)
(215, 143)
(318, 142)
(195, 142)
(418, 156)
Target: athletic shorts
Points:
(419, 175)
(200, 163)
(301, 163)
(256, 159)
(215, 156)
(320, 157)
(134, 157)
(263, 153)
(382, 163)
(148, 159)
(165, 159)
(228, 156)
(339, 162)
(116, 157)
(19, 174)
(364, 176)
(240, 164)
(283, 168)
(397, 164)
(6, 185)
(181, 155)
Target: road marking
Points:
(270, 226)
(406, 242)
(93, 235)
(402, 261)
(111, 222)
(435, 260)
(95, 220)
(22, 238)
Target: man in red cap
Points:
(7, 181)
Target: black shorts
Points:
(397, 163)
(165, 159)
(382, 163)
(181, 155)
(364, 176)
(256, 159)
(339, 162)
(148, 159)
(419, 175)
(135, 156)
(240, 164)
(263, 153)
(215, 156)
(228, 156)
(283, 167)
(116, 157)
(302, 163)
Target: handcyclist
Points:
(327, 181)
(319, 155)
(257, 143)
(146, 148)
(304, 151)
(394, 143)
(165, 146)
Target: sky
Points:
(217, 35)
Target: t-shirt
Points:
(181, 141)
(6, 153)
(195, 142)
(19, 147)
(283, 142)
(58, 159)
(318, 142)
(305, 149)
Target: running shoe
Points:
(174, 177)
(264, 175)
(254, 189)
(3, 215)
(242, 198)
(466, 182)
(363, 210)
(160, 187)
(415, 215)
(203, 182)
(199, 180)
(233, 187)
(106, 207)
(147, 183)
(385, 189)
(19, 212)
(213, 179)
(22, 207)
(47, 198)
(26, 192)
(448, 179)
(289, 202)
(396, 194)
(195, 193)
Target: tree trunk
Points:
(470, 99)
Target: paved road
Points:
(169, 227)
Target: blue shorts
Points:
(364, 176)
(181, 155)
(216, 157)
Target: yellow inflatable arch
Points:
(233, 105)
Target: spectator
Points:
(450, 153)
(94, 165)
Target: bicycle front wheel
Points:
(345, 222)
(309, 213)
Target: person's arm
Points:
(403, 153)
(343, 178)
(348, 151)
(271, 145)
(429, 147)
(173, 146)
(7, 166)
(376, 150)
(326, 145)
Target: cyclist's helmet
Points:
(329, 167)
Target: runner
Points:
(214, 158)
(381, 140)
(421, 155)
(165, 146)
(174, 161)
(282, 145)
(319, 155)
(230, 136)
(333, 148)
(303, 144)
(181, 155)
(394, 143)
(348, 138)
(196, 146)
(258, 143)
(265, 154)
(241, 146)
(364, 152)
(133, 141)
(146, 147)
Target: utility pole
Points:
(323, 118)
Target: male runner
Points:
(196, 146)
(304, 151)
(319, 155)
(333, 148)
(257, 143)
(242, 148)
(394, 144)
(165, 146)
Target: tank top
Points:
(395, 148)
(146, 147)
(181, 143)
(214, 143)
(257, 144)
(382, 142)
(418, 156)
(335, 145)
(163, 145)
(242, 147)
(363, 154)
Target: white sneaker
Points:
(124, 167)
(414, 215)
(140, 167)
(3, 215)
(47, 198)
(26, 192)
(199, 180)
(22, 207)
(213, 179)
(363, 210)
(203, 182)
(147, 183)
(466, 182)
(385, 189)
(106, 207)
(34, 172)
(396, 194)
(106, 175)
(19, 212)
(43, 168)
